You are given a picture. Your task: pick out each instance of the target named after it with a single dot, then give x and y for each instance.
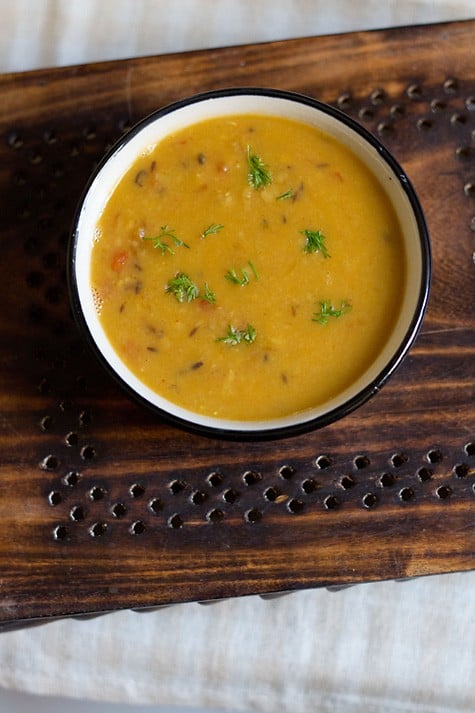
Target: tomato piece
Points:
(119, 259)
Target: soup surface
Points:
(248, 267)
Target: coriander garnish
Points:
(212, 229)
(315, 242)
(209, 295)
(327, 310)
(160, 245)
(237, 336)
(258, 174)
(166, 232)
(232, 275)
(254, 271)
(182, 288)
(286, 195)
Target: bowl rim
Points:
(312, 422)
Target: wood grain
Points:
(387, 492)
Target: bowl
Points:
(412, 286)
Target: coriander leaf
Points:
(232, 275)
(286, 195)
(327, 310)
(254, 271)
(236, 336)
(315, 242)
(258, 173)
(159, 244)
(212, 229)
(209, 295)
(180, 243)
(183, 289)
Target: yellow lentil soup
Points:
(248, 267)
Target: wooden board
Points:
(102, 506)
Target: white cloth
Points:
(391, 647)
(379, 648)
(42, 33)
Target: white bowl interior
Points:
(144, 141)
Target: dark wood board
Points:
(103, 506)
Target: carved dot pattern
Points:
(254, 496)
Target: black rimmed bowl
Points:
(364, 145)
